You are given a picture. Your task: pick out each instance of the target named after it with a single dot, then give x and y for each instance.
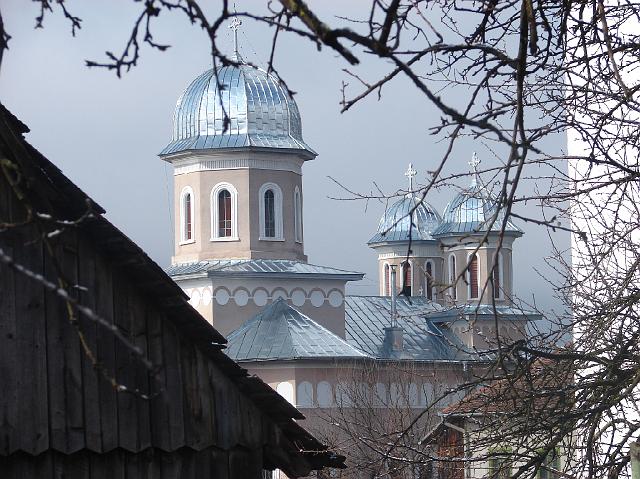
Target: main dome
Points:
(396, 223)
(260, 110)
(470, 212)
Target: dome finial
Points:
(235, 26)
(473, 163)
(410, 173)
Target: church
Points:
(446, 280)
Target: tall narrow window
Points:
(224, 214)
(406, 278)
(473, 277)
(452, 277)
(297, 215)
(387, 280)
(269, 215)
(186, 216)
(497, 277)
(428, 269)
(271, 212)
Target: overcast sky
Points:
(105, 133)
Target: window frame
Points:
(297, 215)
(187, 191)
(500, 289)
(214, 204)
(470, 295)
(277, 207)
(386, 279)
(429, 276)
(453, 268)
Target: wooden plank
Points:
(192, 400)
(31, 350)
(73, 356)
(159, 404)
(57, 327)
(106, 356)
(141, 378)
(127, 411)
(90, 375)
(174, 385)
(8, 359)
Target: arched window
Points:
(187, 213)
(406, 278)
(428, 270)
(452, 277)
(497, 277)
(297, 215)
(387, 280)
(224, 214)
(224, 219)
(271, 212)
(473, 277)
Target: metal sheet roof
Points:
(260, 111)
(503, 311)
(271, 267)
(408, 218)
(367, 316)
(282, 332)
(470, 212)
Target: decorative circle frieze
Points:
(260, 297)
(298, 297)
(317, 298)
(206, 296)
(335, 298)
(195, 298)
(241, 296)
(222, 296)
(279, 293)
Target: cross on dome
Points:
(235, 26)
(473, 163)
(410, 173)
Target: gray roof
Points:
(282, 332)
(260, 111)
(471, 211)
(260, 267)
(487, 310)
(367, 316)
(408, 218)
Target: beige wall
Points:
(247, 181)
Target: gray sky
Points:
(105, 133)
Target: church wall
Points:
(229, 302)
(265, 249)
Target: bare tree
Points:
(530, 69)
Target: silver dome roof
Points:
(470, 212)
(260, 110)
(396, 223)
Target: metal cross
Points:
(474, 166)
(474, 162)
(235, 26)
(410, 173)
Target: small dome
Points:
(396, 223)
(470, 211)
(261, 113)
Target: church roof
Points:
(282, 332)
(367, 316)
(408, 218)
(488, 310)
(472, 211)
(274, 268)
(260, 112)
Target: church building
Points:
(238, 156)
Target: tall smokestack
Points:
(393, 337)
(393, 296)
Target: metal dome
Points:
(396, 223)
(260, 110)
(470, 212)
